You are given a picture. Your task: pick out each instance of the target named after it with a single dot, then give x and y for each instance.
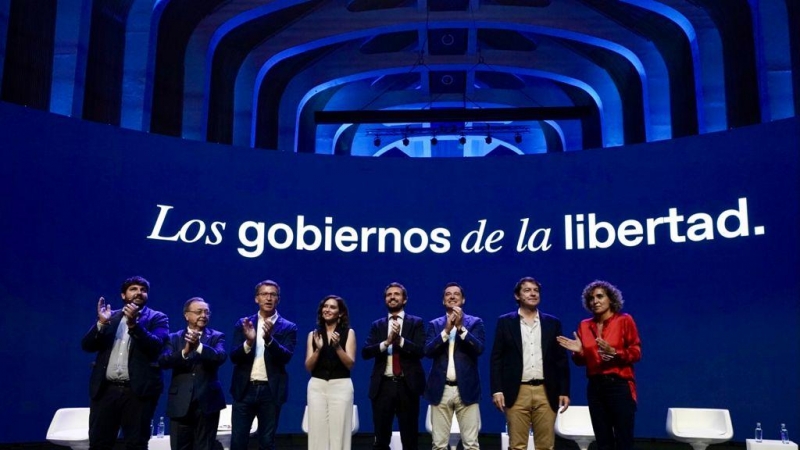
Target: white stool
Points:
(504, 441)
(70, 428)
(699, 427)
(396, 443)
(575, 424)
(159, 443)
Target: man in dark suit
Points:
(126, 380)
(396, 342)
(195, 393)
(529, 374)
(262, 346)
(454, 342)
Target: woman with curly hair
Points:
(608, 345)
(330, 355)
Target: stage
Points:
(363, 441)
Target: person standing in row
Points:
(330, 355)
(262, 346)
(529, 374)
(454, 342)
(195, 394)
(608, 345)
(396, 343)
(126, 380)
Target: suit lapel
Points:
(278, 325)
(403, 328)
(144, 315)
(206, 336)
(116, 318)
(547, 334)
(516, 332)
(254, 321)
(384, 327)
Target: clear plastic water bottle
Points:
(151, 427)
(161, 427)
(759, 432)
(784, 434)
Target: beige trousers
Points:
(531, 410)
(468, 416)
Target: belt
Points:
(259, 382)
(119, 383)
(451, 383)
(606, 378)
(533, 382)
(395, 379)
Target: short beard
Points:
(395, 309)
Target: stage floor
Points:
(363, 441)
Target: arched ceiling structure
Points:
(384, 77)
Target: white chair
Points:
(455, 430)
(159, 443)
(575, 424)
(396, 443)
(699, 427)
(355, 423)
(224, 427)
(505, 441)
(70, 428)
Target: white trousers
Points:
(330, 414)
(468, 416)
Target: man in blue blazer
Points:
(195, 395)
(454, 342)
(262, 346)
(126, 379)
(529, 374)
(396, 342)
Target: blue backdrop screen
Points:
(700, 234)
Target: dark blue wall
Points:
(719, 318)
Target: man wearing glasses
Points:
(195, 393)
(263, 345)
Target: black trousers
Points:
(194, 431)
(613, 412)
(117, 407)
(395, 399)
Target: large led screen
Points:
(700, 234)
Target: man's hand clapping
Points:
(103, 311)
(131, 312)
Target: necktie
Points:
(451, 343)
(396, 369)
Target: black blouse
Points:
(329, 366)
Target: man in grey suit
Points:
(529, 374)
(454, 342)
(195, 394)
(126, 379)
